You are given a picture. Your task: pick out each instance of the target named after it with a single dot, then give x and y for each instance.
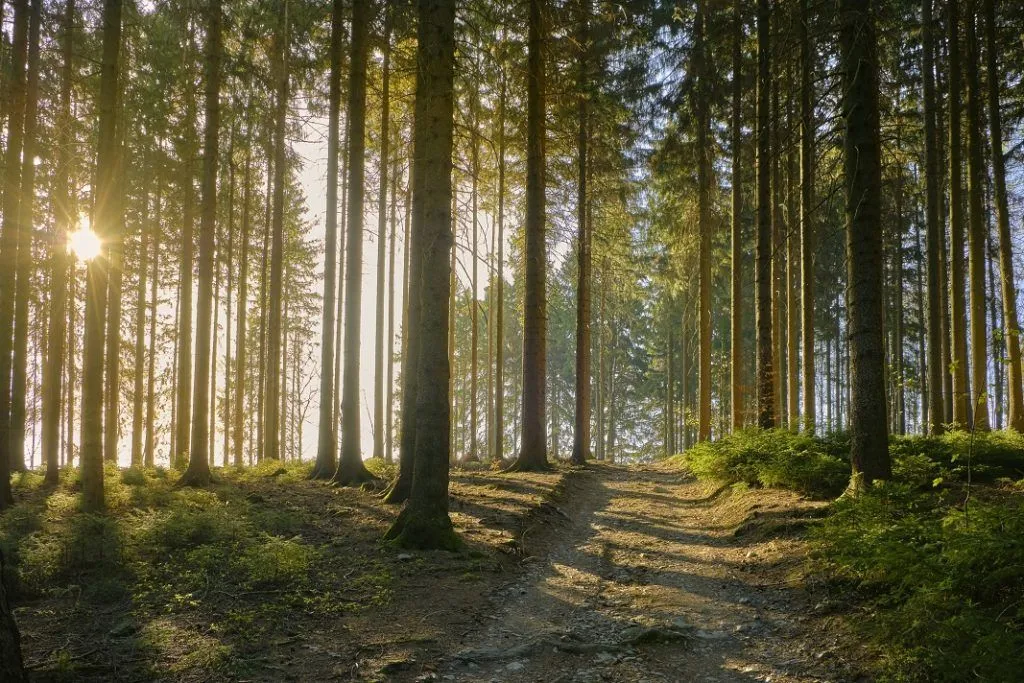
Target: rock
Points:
(605, 658)
(711, 635)
(744, 601)
(515, 666)
(404, 557)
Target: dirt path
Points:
(654, 578)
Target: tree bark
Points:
(351, 471)
(869, 448)
(807, 231)
(198, 472)
(138, 427)
(425, 523)
(326, 459)
(149, 451)
(11, 666)
(60, 260)
(704, 153)
(736, 317)
(763, 256)
(533, 455)
(581, 428)
(382, 229)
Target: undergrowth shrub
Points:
(276, 561)
(944, 584)
(774, 458)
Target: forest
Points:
(548, 340)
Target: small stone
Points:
(404, 557)
(515, 666)
(744, 601)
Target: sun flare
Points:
(84, 243)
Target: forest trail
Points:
(655, 578)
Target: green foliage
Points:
(276, 561)
(945, 585)
(775, 458)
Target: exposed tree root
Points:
(353, 474)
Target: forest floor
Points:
(604, 573)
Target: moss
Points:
(424, 530)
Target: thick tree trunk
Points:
(198, 472)
(533, 455)
(581, 425)
(765, 367)
(12, 668)
(425, 523)
(869, 448)
(351, 471)
(976, 228)
(1009, 291)
(106, 222)
(10, 238)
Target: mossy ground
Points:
(262, 572)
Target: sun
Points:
(84, 243)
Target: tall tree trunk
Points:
(533, 455)
(382, 229)
(106, 224)
(179, 455)
(140, 333)
(424, 523)
(11, 666)
(243, 302)
(475, 277)
(198, 472)
(351, 471)
(736, 299)
(957, 286)
(765, 366)
(389, 377)
(149, 452)
(793, 266)
(229, 258)
(935, 238)
(10, 238)
(25, 264)
(702, 94)
(869, 448)
(779, 239)
(897, 352)
(326, 459)
(976, 228)
(499, 313)
(581, 425)
(1011, 322)
(60, 261)
(807, 232)
(271, 439)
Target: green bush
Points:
(774, 458)
(276, 561)
(945, 584)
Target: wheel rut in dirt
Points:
(647, 579)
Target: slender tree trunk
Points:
(793, 266)
(935, 238)
(271, 439)
(581, 429)
(198, 472)
(976, 227)
(869, 448)
(342, 229)
(60, 261)
(897, 353)
(351, 470)
(10, 238)
(229, 258)
(765, 366)
(957, 286)
(425, 523)
(140, 334)
(389, 433)
(179, 456)
(736, 318)
(382, 229)
(602, 374)
(499, 313)
(243, 303)
(106, 223)
(533, 454)
(807, 231)
(149, 452)
(474, 303)
(779, 239)
(704, 161)
(25, 263)
(326, 460)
